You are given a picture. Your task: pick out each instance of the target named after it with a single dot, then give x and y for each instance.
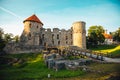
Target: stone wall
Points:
(31, 33)
(34, 35)
(56, 37)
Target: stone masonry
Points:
(34, 36)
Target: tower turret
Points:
(32, 27)
(32, 24)
(79, 34)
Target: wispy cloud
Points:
(10, 12)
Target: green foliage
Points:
(115, 54)
(75, 57)
(96, 29)
(1, 33)
(5, 38)
(16, 38)
(2, 42)
(91, 39)
(95, 36)
(110, 50)
(8, 37)
(103, 47)
(116, 35)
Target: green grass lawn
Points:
(111, 50)
(31, 67)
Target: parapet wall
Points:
(55, 30)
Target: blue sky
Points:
(59, 13)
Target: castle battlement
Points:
(35, 35)
(55, 30)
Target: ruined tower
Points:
(34, 37)
(32, 26)
(79, 34)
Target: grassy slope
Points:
(32, 67)
(113, 50)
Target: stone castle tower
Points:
(32, 27)
(34, 37)
(79, 34)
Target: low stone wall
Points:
(15, 48)
(25, 51)
(52, 61)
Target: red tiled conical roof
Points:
(33, 18)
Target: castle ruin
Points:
(35, 37)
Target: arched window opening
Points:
(30, 25)
(53, 42)
(45, 44)
(71, 36)
(57, 36)
(52, 36)
(29, 34)
(66, 42)
(37, 26)
(43, 36)
(66, 37)
(71, 42)
(58, 42)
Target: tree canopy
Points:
(95, 35)
(8, 37)
(116, 35)
(96, 29)
(2, 42)
(5, 38)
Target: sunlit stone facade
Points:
(34, 36)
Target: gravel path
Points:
(116, 60)
(98, 57)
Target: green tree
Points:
(91, 39)
(116, 35)
(96, 29)
(16, 38)
(8, 37)
(95, 35)
(1, 33)
(2, 42)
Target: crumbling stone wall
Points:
(34, 37)
(56, 37)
